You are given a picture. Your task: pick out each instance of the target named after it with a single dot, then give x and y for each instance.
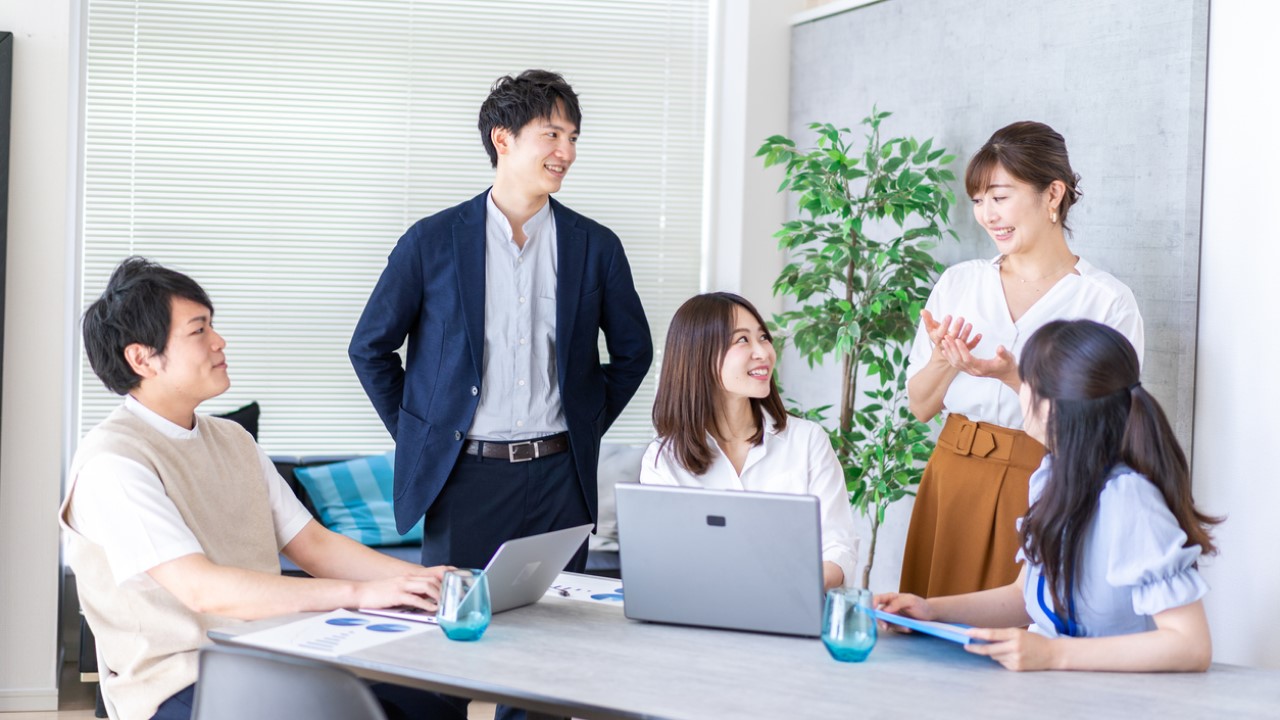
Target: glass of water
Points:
(464, 604)
(848, 625)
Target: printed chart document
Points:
(947, 631)
(340, 632)
(587, 588)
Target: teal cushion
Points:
(354, 498)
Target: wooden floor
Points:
(75, 702)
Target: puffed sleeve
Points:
(1145, 546)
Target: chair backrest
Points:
(244, 684)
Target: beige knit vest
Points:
(147, 638)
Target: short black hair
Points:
(514, 102)
(135, 307)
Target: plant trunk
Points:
(871, 552)
(849, 380)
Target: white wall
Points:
(1238, 355)
(751, 71)
(35, 379)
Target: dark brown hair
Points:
(1031, 152)
(135, 307)
(1099, 416)
(684, 410)
(514, 102)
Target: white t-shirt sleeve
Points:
(121, 506)
(288, 514)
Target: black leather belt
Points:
(522, 451)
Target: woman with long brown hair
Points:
(721, 422)
(1110, 544)
(962, 535)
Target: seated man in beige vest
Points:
(175, 520)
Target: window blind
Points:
(276, 150)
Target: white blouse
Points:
(972, 290)
(797, 460)
(1133, 564)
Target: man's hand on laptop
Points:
(417, 589)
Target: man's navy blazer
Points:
(432, 292)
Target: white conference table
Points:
(564, 657)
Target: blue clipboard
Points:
(947, 631)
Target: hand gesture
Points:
(947, 327)
(1014, 648)
(1002, 367)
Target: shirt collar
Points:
(531, 227)
(160, 423)
(1081, 267)
(770, 428)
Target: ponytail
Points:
(1150, 447)
(1099, 415)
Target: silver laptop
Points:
(721, 558)
(519, 573)
(522, 569)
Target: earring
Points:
(1053, 216)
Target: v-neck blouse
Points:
(973, 290)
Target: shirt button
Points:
(475, 390)
(520, 383)
(524, 341)
(522, 298)
(457, 434)
(519, 423)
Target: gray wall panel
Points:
(1122, 80)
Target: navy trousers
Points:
(486, 502)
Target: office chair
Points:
(244, 684)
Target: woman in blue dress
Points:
(1112, 536)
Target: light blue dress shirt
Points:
(1133, 563)
(519, 390)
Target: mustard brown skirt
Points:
(963, 535)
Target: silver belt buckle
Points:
(511, 451)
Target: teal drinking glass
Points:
(848, 626)
(464, 604)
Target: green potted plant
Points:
(858, 295)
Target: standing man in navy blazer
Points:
(499, 408)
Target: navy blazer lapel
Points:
(468, 262)
(571, 258)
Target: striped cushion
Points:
(354, 499)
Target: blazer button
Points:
(475, 390)
(457, 434)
